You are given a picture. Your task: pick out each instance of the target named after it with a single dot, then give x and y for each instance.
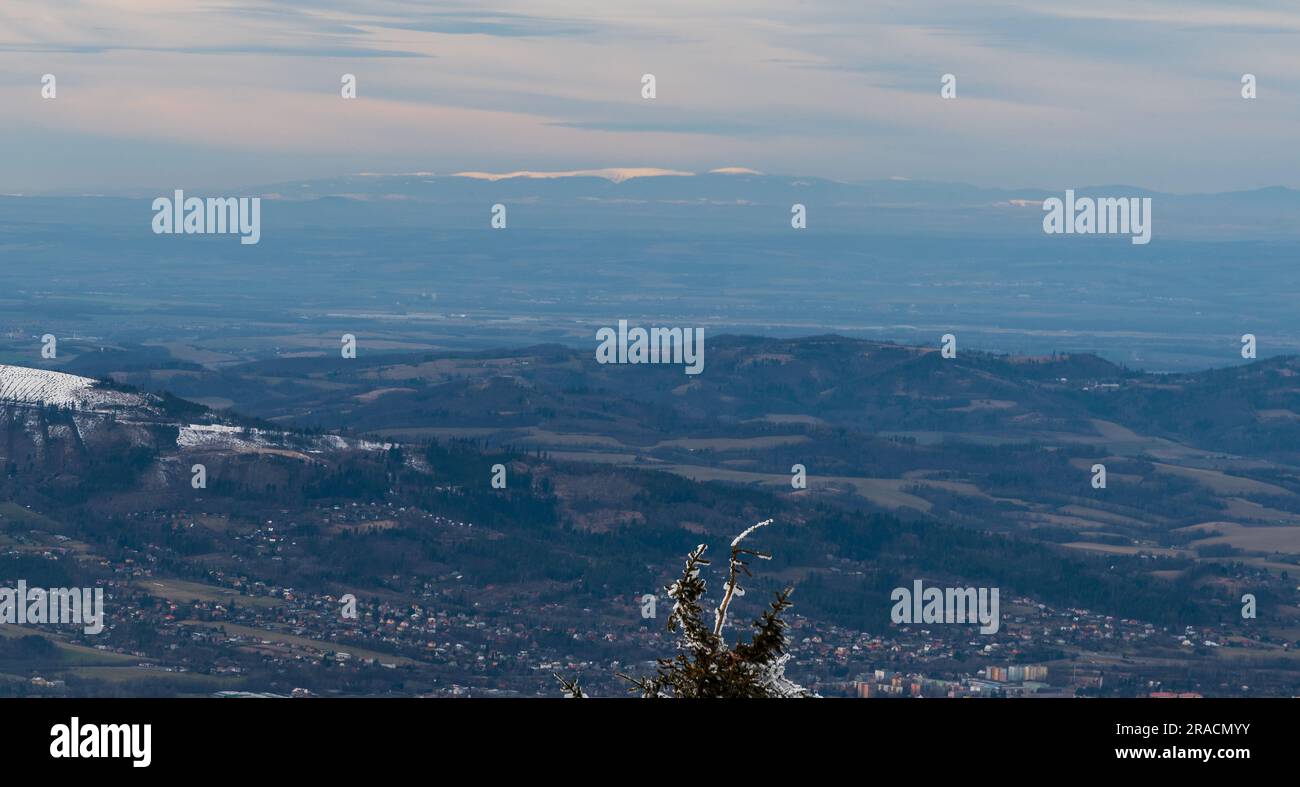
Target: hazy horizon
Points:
(608, 172)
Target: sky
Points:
(162, 94)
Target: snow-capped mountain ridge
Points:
(25, 385)
(95, 419)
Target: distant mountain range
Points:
(725, 199)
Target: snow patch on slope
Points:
(43, 387)
(38, 386)
(239, 438)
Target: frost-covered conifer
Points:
(704, 666)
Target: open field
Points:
(259, 637)
(74, 655)
(180, 591)
(1265, 540)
